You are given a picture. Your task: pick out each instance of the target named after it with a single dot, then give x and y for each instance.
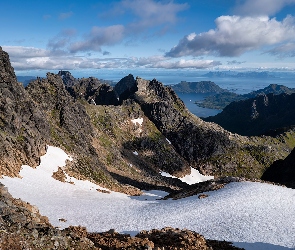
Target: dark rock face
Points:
(192, 139)
(70, 125)
(220, 101)
(95, 92)
(257, 116)
(67, 78)
(23, 128)
(282, 171)
(205, 146)
(125, 88)
(197, 87)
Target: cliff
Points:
(258, 115)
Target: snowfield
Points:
(194, 177)
(252, 215)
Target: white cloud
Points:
(284, 50)
(262, 7)
(62, 39)
(235, 35)
(154, 13)
(25, 52)
(181, 64)
(29, 58)
(98, 37)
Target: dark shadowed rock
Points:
(93, 91)
(221, 100)
(23, 128)
(125, 87)
(206, 146)
(67, 78)
(258, 115)
(282, 171)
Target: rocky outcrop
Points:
(257, 116)
(22, 227)
(282, 171)
(70, 127)
(23, 127)
(197, 87)
(206, 146)
(125, 87)
(67, 78)
(166, 238)
(93, 91)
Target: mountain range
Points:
(121, 138)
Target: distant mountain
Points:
(197, 87)
(221, 100)
(25, 80)
(257, 116)
(249, 74)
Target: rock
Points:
(93, 91)
(59, 175)
(22, 227)
(258, 116)
(282, 171)
(68, 79)
(24, 130)
(125, 88)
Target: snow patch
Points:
(168, 141)
(138, 120)
(194, 177)
(253, 215)
(135, 152)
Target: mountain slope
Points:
(258, 115)
(24, 131)
(221, 100)
(128, 143)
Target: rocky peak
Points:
(94, 92)
(24, 131)
(6, 70)
(125, 87)
(67, 78)
(257, 115)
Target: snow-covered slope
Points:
(253, 215)
(194, 177)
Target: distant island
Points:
(25, 80)
(197, 87)
(221, 100)
(249, 74)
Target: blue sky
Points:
(148, 34)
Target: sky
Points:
(148, 34)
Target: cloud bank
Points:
(26, 58)
(235, 35)
(262, 7)
(156, 15)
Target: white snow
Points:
(135, 152)
(194, 177)
(252, 215)
(138, 120)
(168, 141)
